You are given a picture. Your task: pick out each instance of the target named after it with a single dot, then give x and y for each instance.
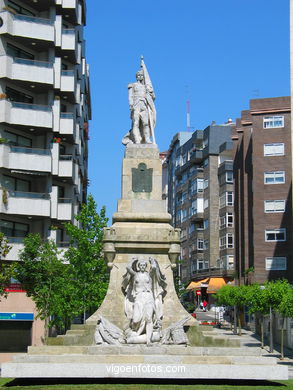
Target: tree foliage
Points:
(44, 276)
(64, 285)
(88, 270)
(6, 270)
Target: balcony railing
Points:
(33, 19)
(22, 149)
(31, 195)
(25, 61)
(67, 73)
(66, 115)
(65, 157)
(63, 244)
(64, 200)
(68, 31)
(29, 106)
(15, 240)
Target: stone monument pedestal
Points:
(141, 229)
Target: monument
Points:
(141, 247)
(141, 330)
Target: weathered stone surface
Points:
(144, 369)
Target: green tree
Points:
(6, 270)
(235, 296)
(258, 303)
(44, 276)
(88, 270)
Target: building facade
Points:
(200, 200)
(263, 192)
(44, 114)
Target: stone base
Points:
(144, 370)
(161, 362)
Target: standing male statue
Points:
(141, 98)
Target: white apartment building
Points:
(44, 114)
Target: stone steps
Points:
(151, 359)
(143, 350)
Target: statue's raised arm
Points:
(141, 98)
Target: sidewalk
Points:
(248, 338)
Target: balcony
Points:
(196, 156)
(26, 70)
(66, 166)
(27, 27)
(214, 272)
(64, 209)
(25, 203)
(225, 166)
(226, 149)
(196, 216)
(29, 159)
(67, 123)
(24, 114)
(67, 81)
(69, 39)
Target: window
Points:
(14, 184)
(206, 244)
(276, 149)
(19, 9)
(226, 220)
(18, 140)
(199, 185)
(184, 215)
(191, 228)
(206, 183)
(275, 235)
(276, 177)
(200, 244)
(16, 96)
(276, 263)
(205, 223)
(202, 264)
(270, 122)
(227, 241)
(183, 234)
(16, 52)
(14, 229)
(274, 206)
(227, 262)
(227, 199)
(206, 204)
(226, 177)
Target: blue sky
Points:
(217, 54)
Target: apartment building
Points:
(263, 192)
(44, 113)
(200, 200)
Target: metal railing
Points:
(30, 106)
(66, 115)
(33, 19)
(65, 157)
(63, 244)
(64, 200)
(31, 195)
(68, 31)
(26, 150)
(26, 61)
(67, 72)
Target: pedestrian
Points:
(201, 305)
(205, 305)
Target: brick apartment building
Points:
(263, 194)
